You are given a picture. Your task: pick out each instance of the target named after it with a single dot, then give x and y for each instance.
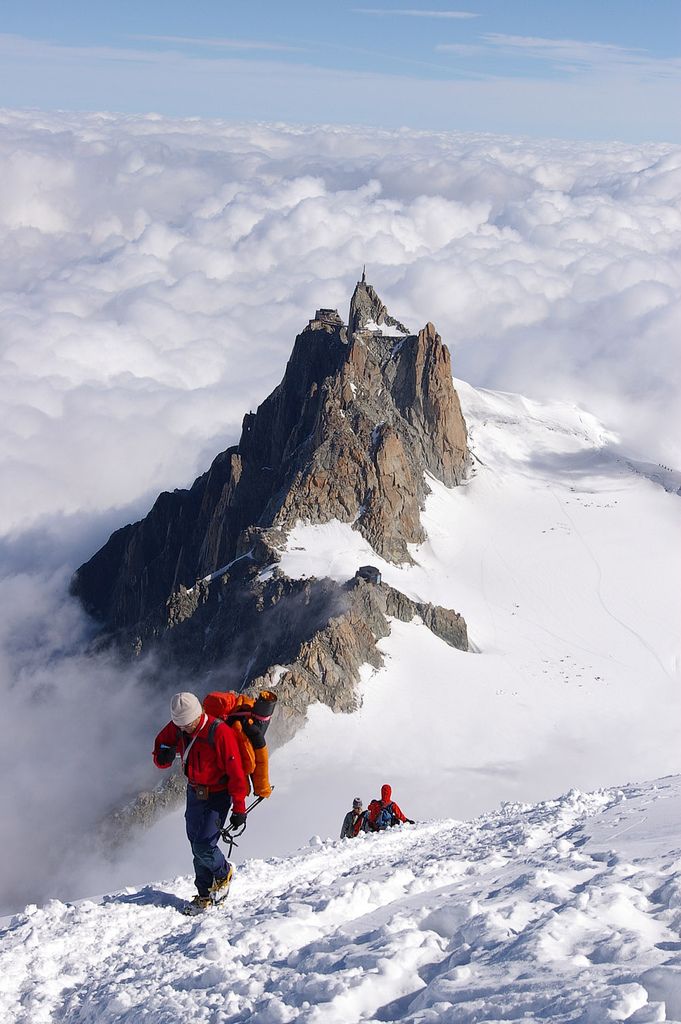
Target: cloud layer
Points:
(152, 280)
(155, 273)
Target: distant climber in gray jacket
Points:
(354, 821)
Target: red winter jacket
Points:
(375, 807)
(215, 764)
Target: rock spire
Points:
(362, 413)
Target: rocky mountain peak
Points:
(362, 413)
(367, 312)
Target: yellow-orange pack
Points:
(249, 717)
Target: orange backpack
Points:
(249, 717)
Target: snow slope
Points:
(568, 910)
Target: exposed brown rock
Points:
(392, 517)
(357, 420)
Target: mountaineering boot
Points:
(220, 887)
(197, 905)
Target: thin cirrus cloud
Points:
(414, 13)
(221, 44)
(570, 55)
(512, 95)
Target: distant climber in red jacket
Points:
(215, 781)
(385, 813)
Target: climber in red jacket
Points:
(385, 813)
(215, 782)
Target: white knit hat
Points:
(185, 708)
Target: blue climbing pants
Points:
(205, 819)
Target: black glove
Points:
(411, 821)
(237, 820)
(165, 756)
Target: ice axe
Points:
(230, 834)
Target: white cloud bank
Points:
(153, 276)
(155, 273)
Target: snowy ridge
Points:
(568, 910)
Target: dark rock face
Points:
(358, 418)
(190, 534)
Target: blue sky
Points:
(604, 69)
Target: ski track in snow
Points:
(599, 591)
(565, 911)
